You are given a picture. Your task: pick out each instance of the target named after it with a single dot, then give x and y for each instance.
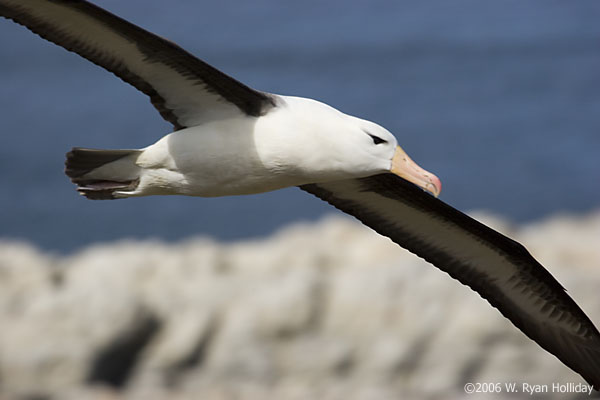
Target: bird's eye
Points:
(377, 139)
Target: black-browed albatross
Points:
(230, 139)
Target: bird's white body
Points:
(302, 141)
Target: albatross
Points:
(230, 139)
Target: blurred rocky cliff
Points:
(324, 311)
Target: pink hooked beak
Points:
(406, 168)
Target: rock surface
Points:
(324, 311)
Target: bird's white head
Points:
(381, 150)
(319, 143)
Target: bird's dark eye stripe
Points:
(377, 139)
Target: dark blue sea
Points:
(501, 99)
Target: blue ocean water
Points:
(500, 99)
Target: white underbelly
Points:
(219, 159)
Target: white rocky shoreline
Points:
(317, 311)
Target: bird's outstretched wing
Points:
(185, 90)
(501, 270)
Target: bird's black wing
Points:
(501, 270)
(185, 90)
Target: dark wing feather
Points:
(501, 270)
(185, 90)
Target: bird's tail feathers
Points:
(99, 174)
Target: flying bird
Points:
(230, 139)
